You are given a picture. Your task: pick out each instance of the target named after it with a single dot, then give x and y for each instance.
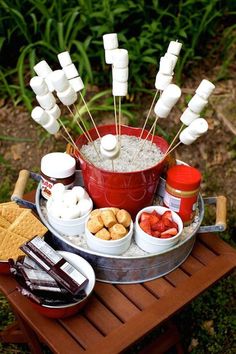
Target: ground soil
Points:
(214, 154)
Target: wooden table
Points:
(117, 316)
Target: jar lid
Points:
(183, 177)
(58, 165)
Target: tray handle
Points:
(17, 195)
(220, 224)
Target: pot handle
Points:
(17, 195)
(220, 224)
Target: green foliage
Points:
(35, 29)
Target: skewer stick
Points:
(170, 151)
(82, 121)
(68, 134)
(119, 115)
(90, 115)
(114, 100)
(148, 115)
(176, 136)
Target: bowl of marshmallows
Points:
(68, 209)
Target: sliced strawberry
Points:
(156, 234)
(166, 236)
(153, 220)
(159, 226)
(167, 222)
(174, 224)
(145, 226)
(144, 216)
(154, 212)
(173, 231)
(167, 215)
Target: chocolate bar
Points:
(55, 265)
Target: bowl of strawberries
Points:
(157, 229)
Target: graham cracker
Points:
(27, 225)
(8, 204)
(4, 222)
(9, 244)
(11, 213)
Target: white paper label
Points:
(172, 202)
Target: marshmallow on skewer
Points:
(55, 111)
(120, 74)
(39, 85)
(40, 116)
(109, 147)
(43, 70)
(109, 55)
(166, 66)
(59, 81)
(170, 95)
(46, 101)
(77, 84)
(205, 89)
(119, 88)
(64, 59)
(162, 81)
(174, 48)
(121, 58)
(198, 127)
(67, 97)
(186, 138)
(188, 116)
(110, 41)
(52, 126)
(161, 110)
(70, 71)
(197, 103)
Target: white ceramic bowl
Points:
(152, 244)
(69, 227)
(111, 247)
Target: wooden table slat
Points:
(160, 287)
(191, 265)
(101, 316)
(138, 294)
(203, 254)
(116, 301)
(176, 277)
(214, 242)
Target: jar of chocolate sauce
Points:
(57, 167)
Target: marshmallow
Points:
(110, 154)
(161, 110)
(162, 81)
(170, 95)
(40, 116)
(69, 198)
(121, 58)
(80, 193)
(77, 83)
(119, 88)
(42, 69)
(49, 82)
(197, 103)
(205, 89)
(59, 80)
(188, 116)
(54, 111)
(39, 85)
(174, 48)
(55, 209)
(68, 96)
(109, 142)
(186, 138)
(110, 41)
(70, 71)
(166, 66)
(52, 126)
(198, 127)
(71, 212)
(120, 75)
(57, 191)
(109, 54)
(64, 59)
(85, 206)
(173, 58)
(46, 101)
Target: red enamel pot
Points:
(129, 190)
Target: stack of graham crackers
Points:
(17, 225)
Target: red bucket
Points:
(129, 190)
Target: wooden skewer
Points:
(148, 115)
(90, 115)
(176, 136)
(171, 150)
(119, 116)
(114, 101)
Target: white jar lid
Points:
(58, 165)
